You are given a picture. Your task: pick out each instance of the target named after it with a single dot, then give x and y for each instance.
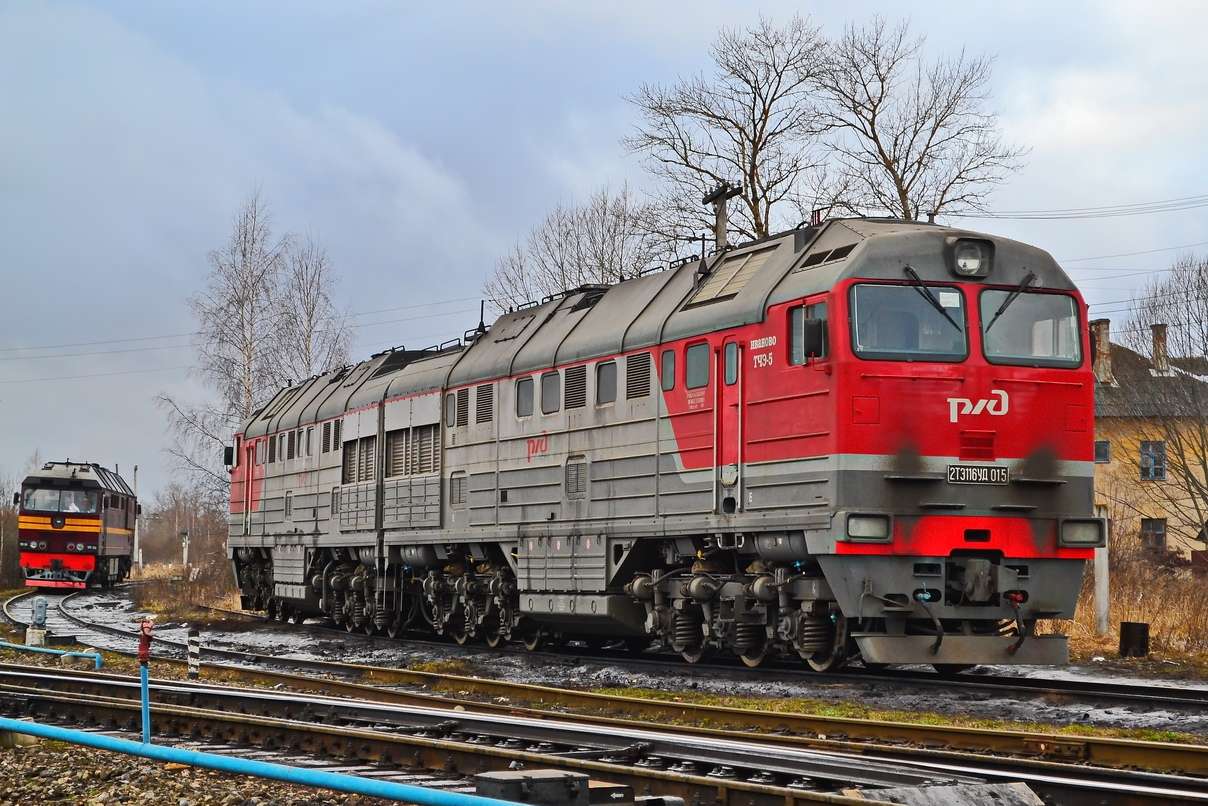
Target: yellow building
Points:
(1151, 444)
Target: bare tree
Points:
(911, 138)
(755, 120)
(265, 317)
(313, 333)
(1164, 400)
(608, 239)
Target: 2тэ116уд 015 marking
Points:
(863, 438)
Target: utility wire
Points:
(93, 375)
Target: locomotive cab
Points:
(75, 526)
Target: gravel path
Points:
(52, 772)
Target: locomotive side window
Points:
(310, 438)
(731, 363)
(551, 392)
(696, 369)
(667, 370)
(797, 319)
(272, 450)
(524, 397)
(292, 445)
(450, 410)
(606, 382)
(908, 323)
(1030, 328)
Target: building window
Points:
(606, 382)
(696, 370)
(1103, 451)
(524, 397)
(1153, 533)
(1153, 460)
(667, 370)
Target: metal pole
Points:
(137, 558)
(1102, 592)
(144, 663)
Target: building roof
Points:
(1140, 391)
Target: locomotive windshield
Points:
(908, 323)
(55, 500)
(1035, 329)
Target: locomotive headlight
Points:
(1083, 533)
(970, 257)
(868, 527)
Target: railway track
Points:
(692, 763)
(410, 687)
(1099, 692)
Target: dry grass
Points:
(1144, 588)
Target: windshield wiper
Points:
(1019, 289)
(916, 283)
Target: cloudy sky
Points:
(418, 141)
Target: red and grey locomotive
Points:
(865, 438)
(75, 526)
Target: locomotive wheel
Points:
(495, 638)
(831, 660)
(350, 625)
(694, 654)
(395, 628)
(534, 639)
(755, 657)
(298, 616)
(369, 628)
(271, 609)
(284, 612)
(460, 637)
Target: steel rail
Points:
(700, 747)
(399, 749)
(1098, 750)
(1167, 696)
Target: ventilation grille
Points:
(457, 490)
(977, 445)
(326, 436)
(576, 387)
(637, 376)
(397, 443)
(337, 431)
(826, 256)
(484, 403)
(425, 449)
(576, 478)
(463, 407)
(731, 276)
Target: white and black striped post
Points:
(194, 653)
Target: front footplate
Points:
(1048, 650)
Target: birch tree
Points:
(264, 318)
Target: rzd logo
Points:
(963, 405)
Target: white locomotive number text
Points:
(761, 360)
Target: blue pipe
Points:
(261, 769)
(96, 656)
(145, 700)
